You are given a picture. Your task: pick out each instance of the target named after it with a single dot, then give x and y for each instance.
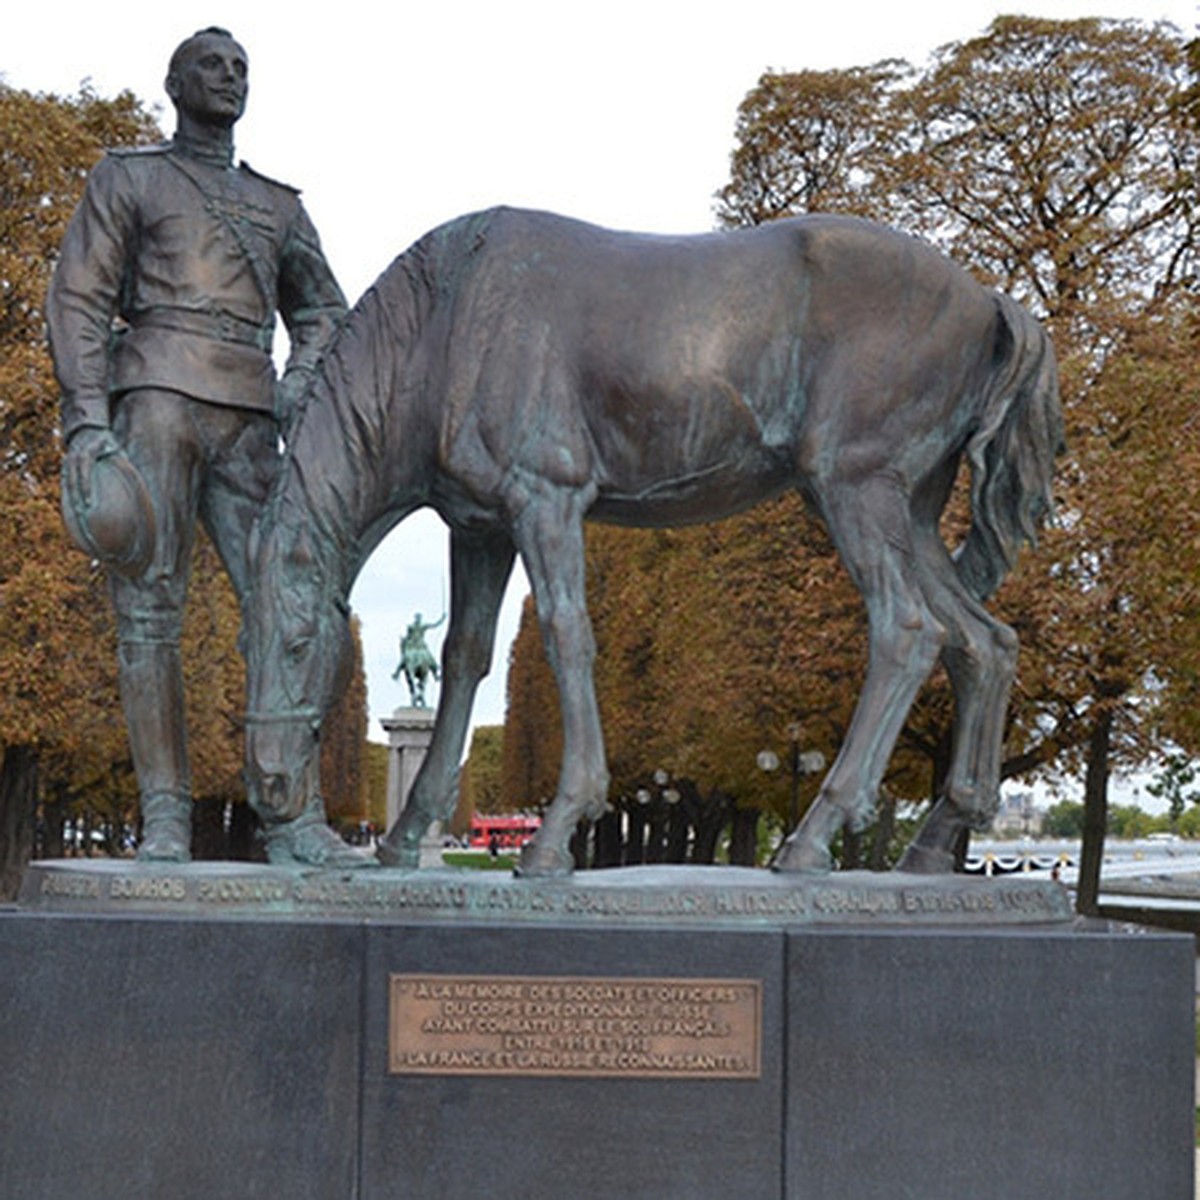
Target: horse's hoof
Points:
(800, 856)
(405, 857)
(312, 844)
(925, 860)
(536, 862)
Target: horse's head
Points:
(298, 655)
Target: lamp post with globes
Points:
(806, 763)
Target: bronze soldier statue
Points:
(161, 314)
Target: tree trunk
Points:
(852, 843)
(209, 842)
(578, 845)
(656, 831)
(52, 844)
(679, 826)
(635, 835)
(713, 812)
(607, 851)
(743, 838)
(244, 844)
(884, 831)
(1095, 815)
(18, 812)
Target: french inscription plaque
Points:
(580, 1026)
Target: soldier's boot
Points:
(151, 681)
(166, 828)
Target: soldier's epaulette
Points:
(287, 187)
(138, 151)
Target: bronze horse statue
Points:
(522, 373)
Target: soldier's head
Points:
(207, 78)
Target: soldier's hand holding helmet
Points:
(86, 447)
(105, 503)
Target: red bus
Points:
(511, 830)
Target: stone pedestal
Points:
(231, 1030)
(410, 730)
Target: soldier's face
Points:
(210, 81)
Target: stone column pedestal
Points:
(409, 730)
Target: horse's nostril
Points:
(272, 787)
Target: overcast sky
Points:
(395, 118)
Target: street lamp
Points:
(808, 763)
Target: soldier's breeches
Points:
(199, 462)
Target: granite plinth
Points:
(159, 1058)
(216, 1050)
(617, 1139)
(990, 1067)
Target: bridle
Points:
(311, 716)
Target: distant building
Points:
(1017, 815)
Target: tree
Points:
(1056, 160)
(812, 141)
(1063, 820)
(532, 726)
(376, 770)
(57, 669)
(1127, 821)
(1054, 157)
(1174, 783)
(483, 771)
(701, 660)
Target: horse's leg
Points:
(479, 570)
(549, 535)
(980, 657)
(871, 526)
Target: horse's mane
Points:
(381, 331)
(339, 436)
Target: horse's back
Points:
(697, 372)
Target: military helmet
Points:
(112, 519)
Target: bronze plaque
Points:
(576, 1026)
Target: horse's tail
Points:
(1012, 451)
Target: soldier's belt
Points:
(220, 326)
